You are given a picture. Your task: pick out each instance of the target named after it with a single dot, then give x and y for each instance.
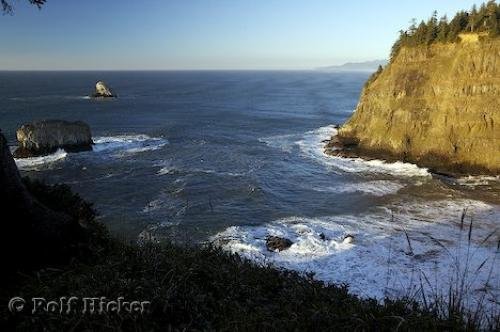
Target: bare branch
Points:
(7, 7)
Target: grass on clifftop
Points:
(195, 289)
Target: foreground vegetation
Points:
(193, 288)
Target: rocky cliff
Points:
(437, 106)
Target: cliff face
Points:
(44, 137)
(437, 106)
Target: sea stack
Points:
(44, 137)
(102, 91)
(433, 105)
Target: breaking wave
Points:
(35, 162)
(311, 145)
(122, 145)
(376, 188)
(395, 247)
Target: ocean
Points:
(230, 157)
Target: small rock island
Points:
(103, 91)
(44, 137)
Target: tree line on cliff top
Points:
(485, 19)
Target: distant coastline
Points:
(366, 66)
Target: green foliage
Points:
(485, 19)
(60, 198)
(200, 289)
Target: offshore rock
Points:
(45, 137)
(102, 91)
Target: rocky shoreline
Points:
(348, 147)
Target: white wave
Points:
(481, 180)
(166, 170)
(153, 205)
(283, 142)
(382, 262)
(35, 162)
(128, 144)
(212, 171)
(376, 188)
(312, 146)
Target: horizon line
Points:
(319, 69)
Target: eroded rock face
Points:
(45, 137)
(437, 106)
(103, 91)
(276, 243)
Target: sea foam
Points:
(122, 145)
(394, 249)
(35, 162)
(311, 145)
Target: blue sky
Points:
(206, 34)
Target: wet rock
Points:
(348, 239)
(276, 243)
(102, 91)
(44, 137)
(322, 236)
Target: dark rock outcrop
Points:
(45, 137)
(276, 243)
(31, 233)
(103, 91)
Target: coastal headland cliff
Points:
(434, 105)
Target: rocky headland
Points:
(437, 106)
(44, 137)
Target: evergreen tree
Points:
(431, 29)
(484, 19)
(420, 35)
(474, 19)
(492, 18)
(443, 30)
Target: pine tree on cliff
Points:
(486, 19)
(431, 29)
(492, 19)
(458, 25)
(420, 36)
(474, 19)
(443, 30)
